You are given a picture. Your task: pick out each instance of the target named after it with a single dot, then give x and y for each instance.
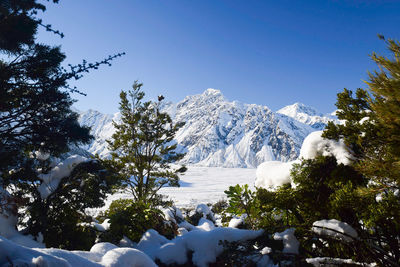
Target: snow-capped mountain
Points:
(101, 128)
(307, 115)
(222, 133)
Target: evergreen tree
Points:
(60, 217)
(372, 121)
(35, 102)
(143, 147)
(384, 86)
(374, 129)
(364, 194)
(37, 123)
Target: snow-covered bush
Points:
(272, 174)
(201, 211)
(315, 145)
(54, 199)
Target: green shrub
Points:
(133, 219)
(243, 200)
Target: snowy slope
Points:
(220, 133)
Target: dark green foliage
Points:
(317, 183)
(18, 26)
(364, 194)
(242, 200)
(34, 91)
(143, 147)
(377, 139)
(352, 111)
(57, 216)
(132, 219)
(36, 116)
(67, 229)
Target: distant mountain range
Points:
(220, 133)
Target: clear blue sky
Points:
(272, 53)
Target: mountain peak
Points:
(297, 108)
(306, 115)
(211, 91)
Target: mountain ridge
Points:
(220, 133)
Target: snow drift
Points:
(272, 174)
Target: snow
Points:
(235, 222)
(16, 255)
(220, 133)
(178, 213)
(315, 145)
(364, 120)
(290, 242)
(207, 184)
(272, 174)
(102, 248)
(205, 225)
(25, 240)
(40, 155)
(102, 254)
(168, 215)
(205, 211)
(128, 257)
(187, 226)
(173, 214)
(198, 185)
(74, 258)
(151, 241)
(335, 228)
(52, 179)
(326, 261)
(266, 250)
(182, 231)
(307, 115)
(204, 244)
(126, 242)
(103, 226)
(8, 222)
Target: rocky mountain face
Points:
(222, 133)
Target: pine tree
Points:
(364, 194)
(372, 120)
(36, 119)
(143, 147)
(384, 86)
(35, 102)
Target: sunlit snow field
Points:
(199, 185)
(207, 184)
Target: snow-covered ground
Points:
(207, 184)
(199, 185)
